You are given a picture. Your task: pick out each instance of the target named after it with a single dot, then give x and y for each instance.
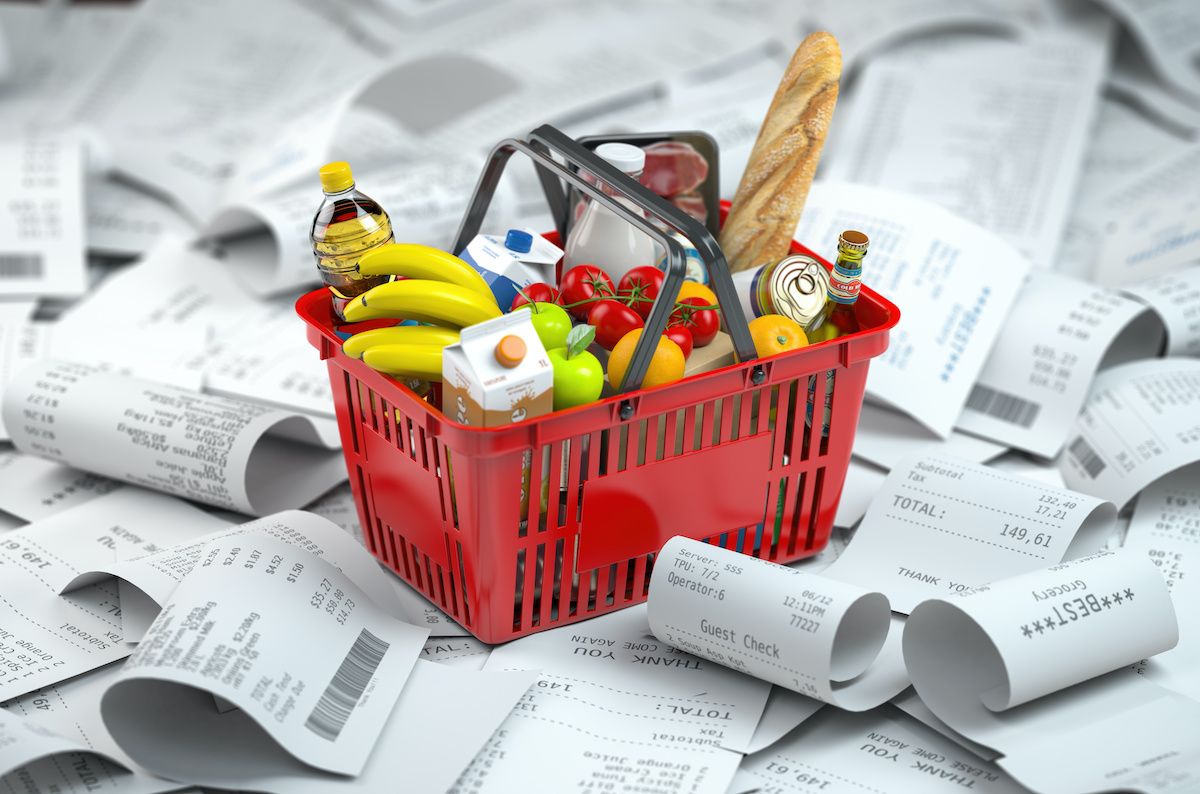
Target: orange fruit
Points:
(774, 333)
(694, 289)
(666, 366)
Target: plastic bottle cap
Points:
(510, 351)
(336, 177)
(624, 156)
(518, 241)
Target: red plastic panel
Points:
(405, 496)
(636, 511)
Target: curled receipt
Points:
(222, 452)
(829, 640)
(1035, 667)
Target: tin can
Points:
(795, 287)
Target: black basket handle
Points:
(546, 139)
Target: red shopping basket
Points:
(557, 519)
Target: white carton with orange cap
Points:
(497, 374)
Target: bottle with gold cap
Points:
(347, 225)
(837, 317)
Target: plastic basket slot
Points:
(366, 517)
(423, 444)
(432, 583)
(621, 450)
(570, 564)
(447, 479)
(386, 418)
(577, 456)
(807, 435)
(462, 577)
(814, 511)
(439, 473)
(826, 394)
(554, 602)
(518, 590)
(801, 501)
(539, 571)
(350, 391)
(643, 435)
(394, 558)
(725, 422)
(593, 586)
(451, 592)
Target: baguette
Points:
(771, 195)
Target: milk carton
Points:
(512, 262)
(497, 374)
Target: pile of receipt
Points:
(1009, 599)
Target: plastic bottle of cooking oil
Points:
(347, 225)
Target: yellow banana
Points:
(406, 360)
(424, 262)
(425, 301)
(356, 345)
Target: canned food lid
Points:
(510, 351)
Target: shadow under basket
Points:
(522, 528)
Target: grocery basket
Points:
(518, 529)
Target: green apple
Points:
(578, 375)
(551, 322)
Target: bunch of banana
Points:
(438, 288)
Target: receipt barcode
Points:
(339, 698)
(1087, 457)
(20, 266)
(1003, 406)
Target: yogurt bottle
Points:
(603, 238)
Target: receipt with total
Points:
(614, 704)
(941, 525)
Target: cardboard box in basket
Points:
(497, 374)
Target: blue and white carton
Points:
(512, 262)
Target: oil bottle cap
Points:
(624, 156)
(336, 177)
(518, 241)
(510, 351)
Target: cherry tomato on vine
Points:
(582, 284)
(696, 315)
(639, 287)
(682, 337)
(537, 292)
(612, 320)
